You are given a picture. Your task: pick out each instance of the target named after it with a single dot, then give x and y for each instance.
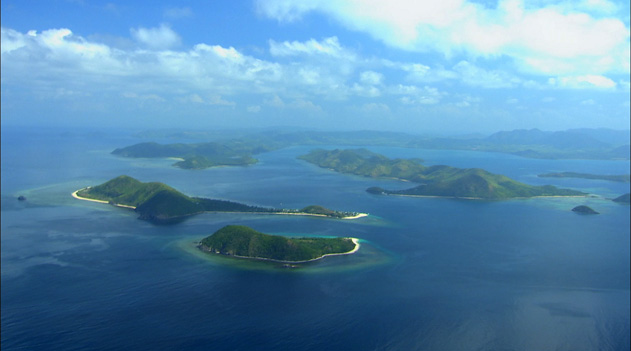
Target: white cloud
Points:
(301, 76)
(365, 90)
(211, 100)
(59, 57)
(196, 99)
(327, 47)
(565, 39)
(305, 105)
(309, 76)
(476, 76)
(218, 100)
(162, 37)
(143, 97)
(417, 95)
(586, 81)
(13, 40)
(254, 109)
(588, 102)
(423, 73)
(371, 78)
(299, 104)
(275, 101)
(375, 108)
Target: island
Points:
(624, 178)
(244, 242)
(199, 155)
(440, 180)
(162, 204)
(623, 199)
(582, 209)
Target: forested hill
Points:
(159, 202)
(237, 240)
(435, 180)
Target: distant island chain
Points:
(533, 143)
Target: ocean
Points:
(431, 274)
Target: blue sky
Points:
(418, 66)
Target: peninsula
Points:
(442, 181)
(160, 203)
(245, 242)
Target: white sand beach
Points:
(74, 194)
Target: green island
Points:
(195, 156)
(160, 203)
(624, 178)
(244, 242)
(443, 181)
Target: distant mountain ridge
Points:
(534, 143)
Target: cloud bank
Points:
(567, 38)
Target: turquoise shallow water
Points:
(432, 274)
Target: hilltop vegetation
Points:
(436, 180)
(161, 203)
(237, 240)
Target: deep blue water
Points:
(432, 274)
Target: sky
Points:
(451, 66)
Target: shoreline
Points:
(74, 194)
(354, 250)
(359, 215)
